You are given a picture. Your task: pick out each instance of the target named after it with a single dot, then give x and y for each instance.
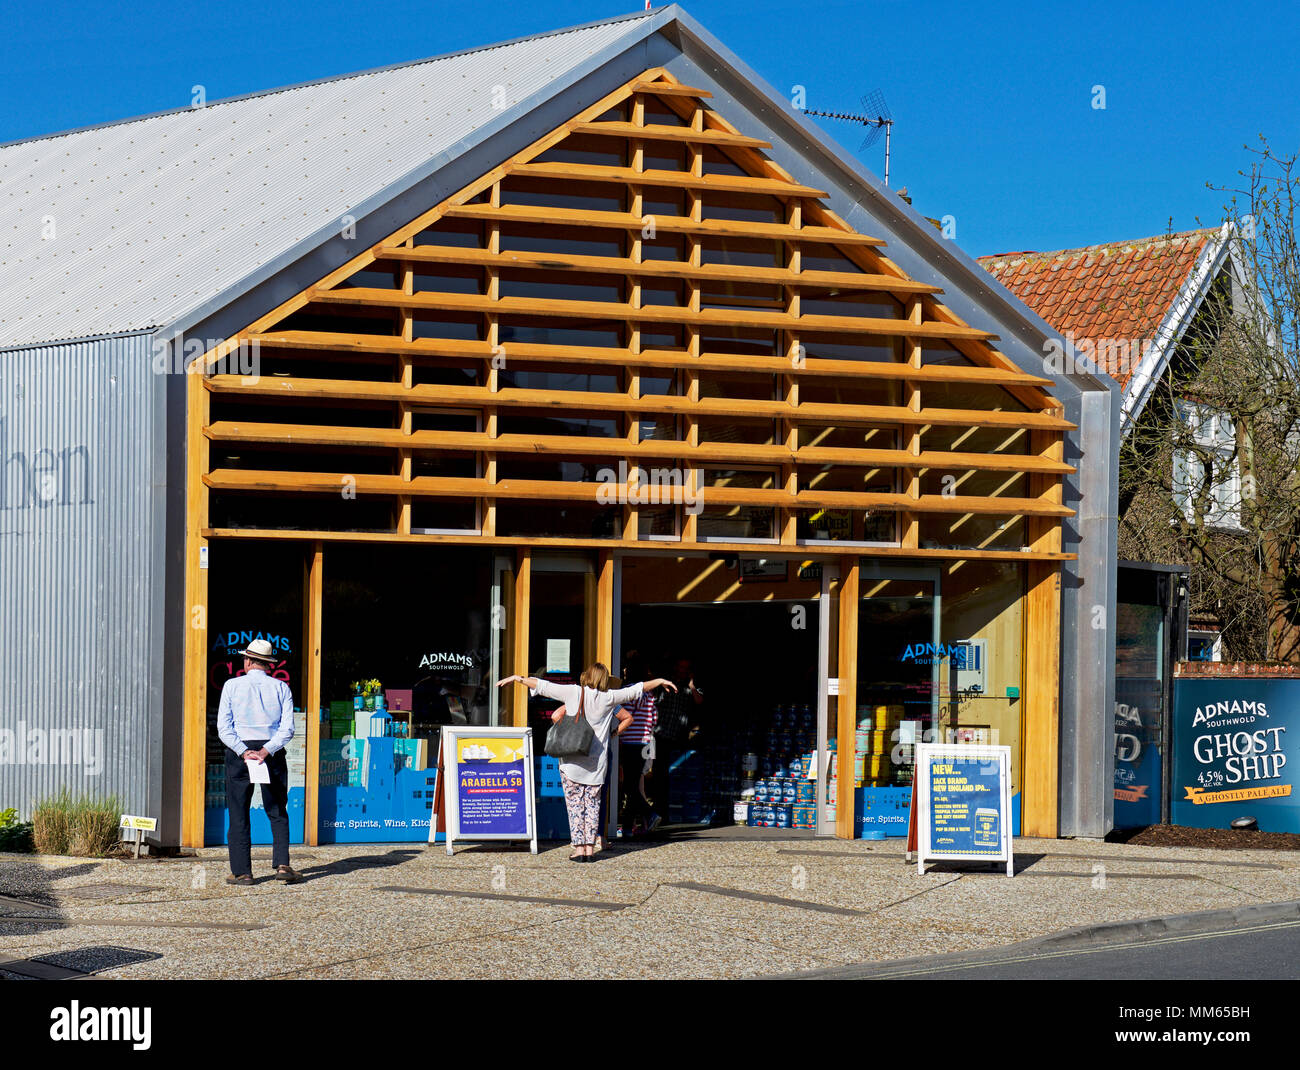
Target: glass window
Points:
(239, 613)
(982, 631)
(379, 750)
(1207, 475)
(1204, 646)
(724, 522)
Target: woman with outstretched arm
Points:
(583, 775)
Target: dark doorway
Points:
(746, 660)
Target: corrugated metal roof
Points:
(152, 217)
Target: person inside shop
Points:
(583, 776)
(679, 722)
(255, 721)
(636, 743)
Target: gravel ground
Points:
(183, 921)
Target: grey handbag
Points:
(571, 737)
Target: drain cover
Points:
(103, 891)
(93, 959)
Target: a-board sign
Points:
(487, 784)
(962, 795)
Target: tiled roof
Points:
(1119, 290)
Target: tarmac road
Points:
(1248, 952)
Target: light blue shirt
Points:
(255, 706)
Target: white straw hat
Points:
(259, 650)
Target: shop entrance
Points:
(750, 717)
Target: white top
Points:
(599, 708)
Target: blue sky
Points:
(993, 104)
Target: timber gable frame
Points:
(808, 225)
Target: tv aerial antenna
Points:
(875, 114)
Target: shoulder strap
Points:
(582, 695)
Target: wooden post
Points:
(847, 703)
(194, 743)
(632, 295)
(590, 620)
(523, 602)
(312, 618)
(492, 332)
(605, 610)
(1040, 759)
(909, 523)
(690, 380)
(406, 375)
(1041, 756)
(787, 519)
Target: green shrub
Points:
(50, 824)
(94, 828)
(84, 826)
(15, 835)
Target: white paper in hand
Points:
(258, 773)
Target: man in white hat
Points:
(255, 721)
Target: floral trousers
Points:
(583, 801)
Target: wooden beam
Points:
(666, 89)
(587, 218)
(313, 599)
(194, 735)
(820, 549)
(622, 312)
(1041, 749)
(523, 606)
(605, 610)
(243, 479)
(667, 359)
(590, 619)
(456, 397)
(909, 522)
(846, 704)
(584, 263)
(1042, 646)
(586, 172)
(567, 446)
(656, 132)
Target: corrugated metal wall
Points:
(82, 470)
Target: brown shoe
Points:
(241, 878)
(287, 874)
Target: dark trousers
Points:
(275, 797)
(635, 808)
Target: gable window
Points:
(1204, 646)
(1206, 473)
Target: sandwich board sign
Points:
(962, 797)
(487, 783)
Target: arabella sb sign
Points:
(1235, 752)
